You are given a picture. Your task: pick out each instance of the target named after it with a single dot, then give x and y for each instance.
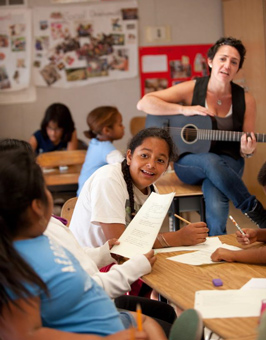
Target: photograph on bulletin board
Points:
(164, 66)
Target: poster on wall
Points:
(164, 66)
(15, 49)
(81, 45)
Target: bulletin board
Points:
(82, 45)
(164, 66)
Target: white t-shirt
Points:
(103, 198)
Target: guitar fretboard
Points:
(214, 135)
(229, 136)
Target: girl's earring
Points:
(210, 65)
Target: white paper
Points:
(210, 243)
(154, 63)
(140, 234)
(201, 257)
(255, 283)
(229, 303)
(196, 258)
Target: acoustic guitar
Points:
(195, 134)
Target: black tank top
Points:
(239, 107)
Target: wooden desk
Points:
(65, 177)
(187, 197)
(178, 283)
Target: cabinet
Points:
(245, 20)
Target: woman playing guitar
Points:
(219, 170)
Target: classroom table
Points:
(57, 177)
(178, 282)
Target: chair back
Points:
(68, 208)
(136, 124)
(61, 158)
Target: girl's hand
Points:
(249, 237)
(151, 257)
(196, 110)
(192, 234)
(248, 143)
(222, 254)
(112, 242)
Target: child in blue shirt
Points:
(44, 292)
(105, 126)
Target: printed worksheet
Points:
(210, 243)
(140, 234)
(201, 257)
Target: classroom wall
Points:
(190, 21)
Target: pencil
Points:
(181, 218)
(236, 225)
(139, 317)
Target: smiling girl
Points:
(57, 131)
(112, 196)
(220, 170)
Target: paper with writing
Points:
(210, 243)
(201, 257)
(230, 303)
(140, 234)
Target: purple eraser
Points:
(217, 282)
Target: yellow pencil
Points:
(139, 317)
(181, 218)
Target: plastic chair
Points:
(189, 326)
(136, 124)
(68, 208)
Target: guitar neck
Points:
(227, 136)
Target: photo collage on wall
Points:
(15, 49)
(164, 66)
(76, 46)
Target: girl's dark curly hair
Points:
(21, 181)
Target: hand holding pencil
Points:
(192, 233)
(242, 236)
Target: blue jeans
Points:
(220, 176)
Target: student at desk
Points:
(117, 281)
(111, 197)
(57, 131)
(254, 255)
(35, 301)
(105, 126)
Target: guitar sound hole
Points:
(189, 134)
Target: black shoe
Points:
(258, 215)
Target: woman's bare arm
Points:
(174, 100)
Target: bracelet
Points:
(163, 241)
(246, 155)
